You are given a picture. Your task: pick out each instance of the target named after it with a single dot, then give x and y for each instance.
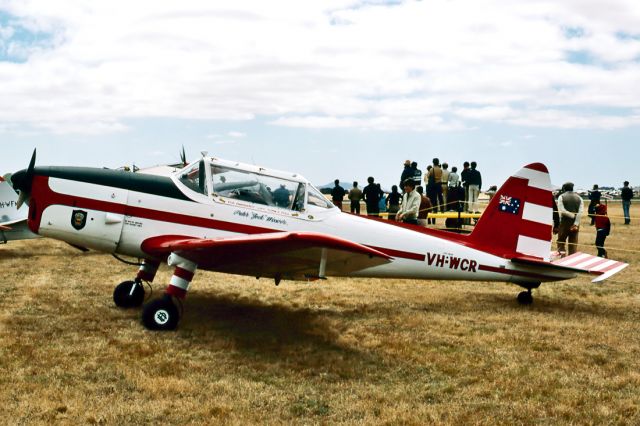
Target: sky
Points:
(328, 89)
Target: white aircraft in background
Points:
(242, 219)
(13, 221)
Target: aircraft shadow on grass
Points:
(256, 326)
(490, 303)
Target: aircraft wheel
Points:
(525, 298)
(128, 294)
(160, 314)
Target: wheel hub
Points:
(161, 316)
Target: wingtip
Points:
(609, 273)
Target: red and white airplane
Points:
(242, 219)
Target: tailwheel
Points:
(525, 297)
(161, 314)
(128, 294)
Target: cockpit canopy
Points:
(239, 182)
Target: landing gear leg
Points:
(163, 314)
(130, 294)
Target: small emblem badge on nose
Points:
(78, 219)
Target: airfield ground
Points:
(340, 351)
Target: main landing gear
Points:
(162, 313)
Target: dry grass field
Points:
(340, 351)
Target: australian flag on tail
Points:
(509, 204)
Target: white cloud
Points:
(234, 134)
(412, 66)
(6, 32)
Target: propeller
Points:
(183, 157)
(23, 180)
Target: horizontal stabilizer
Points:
(13, 222)
(594, 265)
(578, 263)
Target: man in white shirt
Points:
(408, 212)
(454, 177)
(445, 186)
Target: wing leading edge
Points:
(285, 255)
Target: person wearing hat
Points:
(408, 212)
(570, 209)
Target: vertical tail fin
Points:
(519, 219)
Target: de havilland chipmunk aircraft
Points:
(243, 219)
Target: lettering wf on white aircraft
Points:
(242, 219)
(13, 221)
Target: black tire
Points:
(160, 314)
(128, 294)
(525, 298)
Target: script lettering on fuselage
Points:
(259, 216)
(451, 262)
(130, 222)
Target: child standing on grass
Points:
(603, 227)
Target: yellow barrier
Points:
(446, 215)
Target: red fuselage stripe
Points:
(399, 253)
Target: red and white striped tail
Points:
(519, 219)
(594, 265)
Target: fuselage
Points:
(116, 211)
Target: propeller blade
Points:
(32, 164)
(183, 157)
(22, 197)
(23, 179)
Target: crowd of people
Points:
(569, 209)
(447, 190)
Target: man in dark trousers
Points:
(464, 177)
(372, 194)
(594, 197)
(406, 173)
(355, 195)
(417, 174)
(627, 195)
(570, 208)
(337, 194)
